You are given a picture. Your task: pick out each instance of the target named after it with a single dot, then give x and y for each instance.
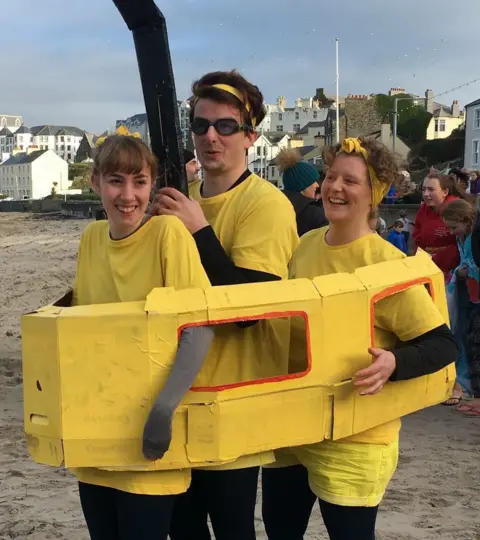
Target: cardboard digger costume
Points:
(144, 350)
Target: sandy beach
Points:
(435, 493)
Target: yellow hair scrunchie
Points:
(352, 145)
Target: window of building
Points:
(315, 115)
(439, 125)
(476, 118)
(297, 116)
(279, 127)
(476, 152)
(280, 116)
(296, 128)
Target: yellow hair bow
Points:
(234, 92)
(379, 189)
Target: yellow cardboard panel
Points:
(228, 430)
(41, 376)
(104, 365)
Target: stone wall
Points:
(40, 206)
(81, 209)
(361, 116)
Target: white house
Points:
(22, 138)
(472, 135)
(266, 123)
(33, 174)
(11, 122)
(293, 119)
(264, 149)
(63, 140)
(6, 141)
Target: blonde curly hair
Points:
(380, 158)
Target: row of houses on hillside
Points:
(63, 140)
(262, 157)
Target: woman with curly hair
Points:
(349, 477)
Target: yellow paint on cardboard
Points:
(91, 373)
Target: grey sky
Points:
(74, 63)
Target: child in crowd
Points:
(396, 236)
(460, 218)
(407, 226)
(377, 223)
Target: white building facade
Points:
(33, 174)
(472, 135)
(292, 120)
(63, 140)
(11, 122)
(264, 149)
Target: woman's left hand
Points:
(372, 379)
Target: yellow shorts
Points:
(348, 474)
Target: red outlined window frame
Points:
(390, 291)
(264, 316)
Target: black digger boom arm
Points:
(149, 29)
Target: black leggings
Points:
(228, 497)
(288, 503)
(116, 515)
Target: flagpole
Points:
(337, 92)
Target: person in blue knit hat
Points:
(301, 182)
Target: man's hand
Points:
(462, 272)
(171, 202)
(372, 379)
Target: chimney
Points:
(429, 101)
(282, 102)
(455, 109)
(298, 102)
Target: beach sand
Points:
(435, 493)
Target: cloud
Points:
(74, 63)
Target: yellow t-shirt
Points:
(162, 253)
(255, 224)
(356, 471)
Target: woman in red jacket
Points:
(430, 232)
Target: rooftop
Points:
(473, 103)
(23, 158)
(47, 129)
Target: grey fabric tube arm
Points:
(192, 350)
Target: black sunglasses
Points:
(223, 126)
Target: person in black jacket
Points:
(301, 182)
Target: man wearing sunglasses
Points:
(245, 231)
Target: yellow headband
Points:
(237, 94)
(379, 189)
